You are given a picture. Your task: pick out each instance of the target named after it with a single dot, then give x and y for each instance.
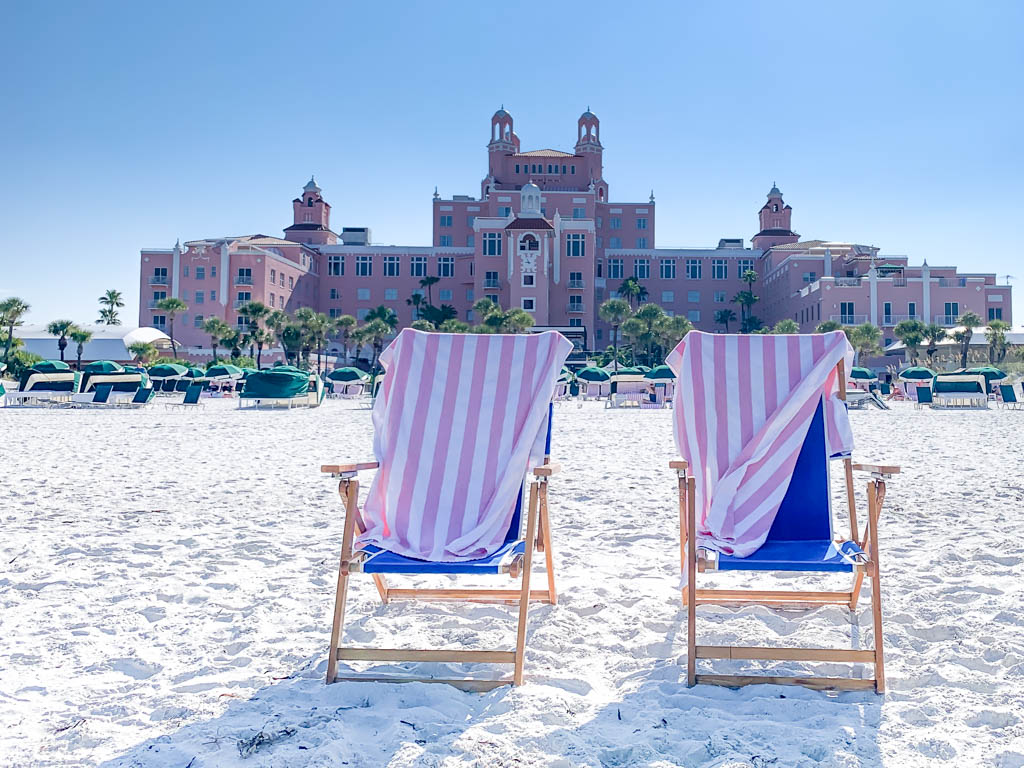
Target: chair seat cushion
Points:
(796, 556)
(383, 561)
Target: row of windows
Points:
(391, 264)
(552, 168)
(667, 268)
(615, 222)
(199, 272)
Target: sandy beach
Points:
(167, 579)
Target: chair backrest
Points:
(192, 394)
(142, 395)
(182, 385)
(924, 394)
(886, 388)
(102, 393)
(806, 511)
(1007, 394)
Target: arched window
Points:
(309, 201)
(775, 207)
(529, 242)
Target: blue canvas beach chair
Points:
(445, 523)
(1008, 398)
(924, 397)
(100, 397)
(800, 538)
(143, 397)
(191, 399)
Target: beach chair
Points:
(98, 398)
(924, 396)
(191, 399)
(758, 470)
(455, 441)
(143, 397)
(1008, 398)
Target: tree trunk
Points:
(62, 345)
(259, 354)
(213, 345)
(174, 345)
(615, 347)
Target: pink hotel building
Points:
(544, 235)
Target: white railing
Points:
(810, 288)
(239, 303)
(243, 280)
(153, 303)
(946, 319)
(578, 308)
(848, 282)
(849, 319)
(159, 280)
(576, 285)
(896, 319)
(491, 283)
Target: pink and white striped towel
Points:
(458, 422)
(743, 405)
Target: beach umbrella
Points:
(917, 373)
(862, 374)
(195, 373)
(591, 373)
(167, 371)
(223, 371)
(103, 366)
(565, 374)
(347, 374)
(990, 372)
(51, 366)
(630, 371)
(660, 372)
(643, 368)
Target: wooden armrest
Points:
(679, 464)
(547, 470)
(337, 469)
(881, 469)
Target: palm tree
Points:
(911, 333)
(172, 306)
(377, 332)
(996, 336)
(217, 330)
(672, 330)
(631, 289)
(614, 312)
(428, 283)
(437, 315)
(416, 301)
(483, 308)
(234, 340)
(724, 317)
(276, 322)
(254, 311)
(319, 327)
(933, 334)
(454, 325)
(292, 339)
(650, 315)
(865, 340)
(143, 351)
(827, 326)
(746, 300)
(787, 325)
(12, 311)
(633, 328)
(81, 337)
(422, 325)
(969, 321)
(749, 277)
(385, 314)
(517, 321)
(61, 329)
(343, 325)
(110, 302)
(304, 316)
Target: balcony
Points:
(946, 320)
(159, 280)
(243, 280)
(899, 282)
(849, 319)
(153, 304)
(848, 282)
(576, 285)
(897, 319)
(492, 282)
(575, 308)
(239, 303)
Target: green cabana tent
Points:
(917, 373)
(167, 371)
(103, 366)
(990, 372)
(195, 373)
(51, 366)
(223, 372)
(628, 371)
(347, 374)
(660, 372)
(862, 374)
(277, 383)
(591, 373)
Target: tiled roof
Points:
(802, 245)
(775, 233)
(530, 224)
(545, 153)
(314, 227)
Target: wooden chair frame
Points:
(538, 536)
(694, 561)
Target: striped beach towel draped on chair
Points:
(458, 421)
(742, 409)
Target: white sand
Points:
(166, 582)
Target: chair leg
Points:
(876, 494)
(549, 558)
(524, 598)
(691, 587)
(349, 490)
(682, 530)
(382, 587)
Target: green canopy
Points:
(565, 374)
(51, 366)
(247, 372)
(629, 371)
(223, 371)
(195, 373)
(864, 374)
(917, 373)
(347, 374)
(990, 372)
(103, 366)
(288, 369)
(277, 382)
(660, 372)
(593, 374)
(644, 368)
(167, 371)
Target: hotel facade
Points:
(544, 235)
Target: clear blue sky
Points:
(127, 125)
